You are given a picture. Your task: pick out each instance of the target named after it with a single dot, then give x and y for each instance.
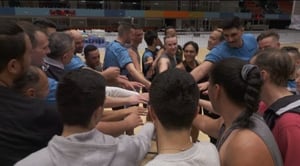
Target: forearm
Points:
(114, 115)
(197, 73)
(202, 70)
(105, 74)
(140, 78)
(208, 125)
(206, 105)
(115, 101)
(118, 92)
(112, 128)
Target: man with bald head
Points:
(76, 61)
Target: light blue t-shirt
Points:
(223, 50)
(75, 63)
(116, 55)
(292, 87)
(51, 98)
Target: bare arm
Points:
(119, 127)
(122, 113)
(242, 141)
(208, 125)
(206, 105)
(202, 70)
(159, 53)
(134, 59)
(121, 101)
(111, 73)
(163, 64)
(138, 76)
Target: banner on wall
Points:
(295, 16)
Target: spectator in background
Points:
(92, 57)
(150, 53)
(26, 124)
(46, 25)
(80, 99)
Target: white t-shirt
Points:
(202, 153)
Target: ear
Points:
(64, 58)
(13, 66)
(216, 91)
(264, 75)
(30, 92)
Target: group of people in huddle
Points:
(52, 102)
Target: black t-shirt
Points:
(26, 125)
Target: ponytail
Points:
(251, 76)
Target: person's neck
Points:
(120, 40)
(170, 54)
(271, 93)
(230, 113)
(191, 63)
(69, 130)
(240, 43)
(169, 142)
(152, 48)
(5, 81)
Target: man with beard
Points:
(26, 124)
(236, 44)
(117, 55)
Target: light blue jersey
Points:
(51, 98)
(75, 63)
(116, 55)
(223, 50)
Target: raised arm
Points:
(163, 64)
(119, 127)
(202, 70)
(208, 125)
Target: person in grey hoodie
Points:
(80, 98)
